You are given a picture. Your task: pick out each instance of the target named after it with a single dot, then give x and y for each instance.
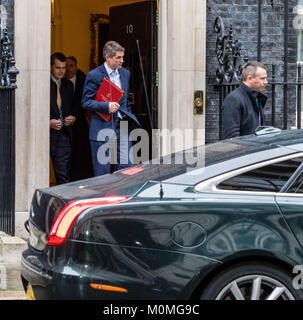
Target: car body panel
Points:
(212, 227)
(135, 250)
(173, 233)
(292, 209)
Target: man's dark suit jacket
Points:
(80, 79)
(92, 83)
(67, 105)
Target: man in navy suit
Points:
(103, 134)
(62, 117)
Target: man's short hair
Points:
(57, 55)
(110, 49)
(251, 68)
(72, 58)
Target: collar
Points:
(108, 69)
(248, 90)
(254, 94)
(55, 80)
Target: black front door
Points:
(134, 27)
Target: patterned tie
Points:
(113, 76)
(59, 101)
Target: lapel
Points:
(103, 72)
(54, 97)
(122, 79)
(62, 93)
(77, 84)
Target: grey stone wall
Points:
(243, 15)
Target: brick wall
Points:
(243, 15)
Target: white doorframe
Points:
(182, 70)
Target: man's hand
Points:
(68, 121)
(55, 124)
(113, 107)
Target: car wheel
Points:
(252, 282)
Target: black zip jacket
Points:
(240, 114)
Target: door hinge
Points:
(157, 18)
(157, 79)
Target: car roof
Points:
(231, 154)
(289, 138)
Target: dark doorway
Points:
(103, 38)
(134, 27)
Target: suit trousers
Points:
(60, 151)
(112, 147)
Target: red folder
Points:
(108, 92)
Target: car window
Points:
(297, 186)
(270, 178)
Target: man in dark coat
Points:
(62, 116)
(81, 160)
(243, 107)
(101, 131)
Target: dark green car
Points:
(222, 221)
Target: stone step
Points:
(10, 277)
(11, 248)
(12, 295)
(10, 259)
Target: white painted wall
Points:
(182, 46)
(32, 53)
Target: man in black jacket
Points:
(62, 116)
(243, 107)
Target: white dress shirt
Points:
(116, 80)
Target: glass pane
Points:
(297, 187)
(270, 178)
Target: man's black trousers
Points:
(60, 151)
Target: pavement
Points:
(11, 248)
(12, 295)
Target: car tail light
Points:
(68, 215)
(132, 171)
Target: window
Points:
(297, 186)
(270, 178)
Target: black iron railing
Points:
(229, 51)
(8, 73)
